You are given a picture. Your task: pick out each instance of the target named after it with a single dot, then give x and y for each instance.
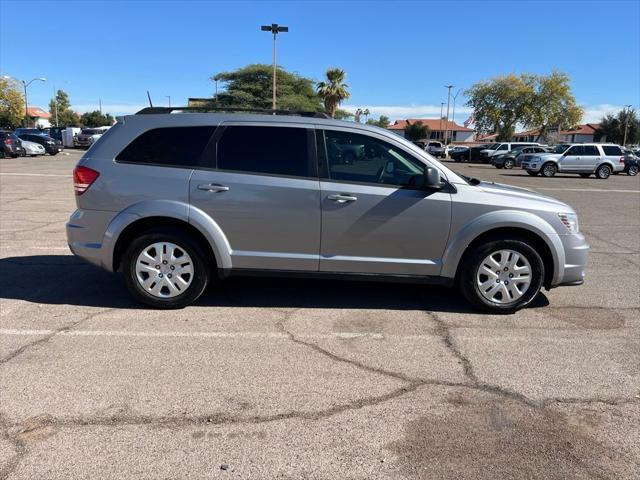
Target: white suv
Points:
(501, 148)
(584, 159)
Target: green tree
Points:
(11, 103)
(333, 91)
(499, 104)
(416, 131)
(96, 119)
(551, 105)
(66, 116)
(382, 122)
(250, 87)
(341, 114)
(613, 126)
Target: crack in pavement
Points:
(17, 444)
(49, 336)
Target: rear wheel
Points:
(603, 172)
(165, 269)
(508, 164)
(632, 170)
(502, 276)
(549, 169)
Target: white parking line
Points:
(11, 174)
(585, 190)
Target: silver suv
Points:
(585, 159)
(176, 200)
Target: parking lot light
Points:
(26, 102)
(275, 29)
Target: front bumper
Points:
(576, 253)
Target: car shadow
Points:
(66, 280)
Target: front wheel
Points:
(603, 172)
(165, 269)
(508, 164)
(502, 276)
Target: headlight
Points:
(570, 221)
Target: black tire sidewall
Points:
(472, 260)
(201, 269)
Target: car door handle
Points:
(213, 187)
(342, 198)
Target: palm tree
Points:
(366, 114)
(334, 90)
(416, 131)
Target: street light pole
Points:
(626, 124)
(441, 107)
(446, 130)
(26, 102)
(55, 102)
(275, 29)
(453, 115)
(169, 97)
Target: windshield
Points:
(92, 131)
(493, 146)
(560, 148)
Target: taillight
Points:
(621, 159)
(7, 141)
(83, 177)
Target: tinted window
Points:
(575, 150)
(591, 150)
(270, 150)
(611, 150)
(359, 158)
(177, 146)
(504, 146)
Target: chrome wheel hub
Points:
(164, 269)
(504, 276)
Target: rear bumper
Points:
(85, 235)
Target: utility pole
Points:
(55, 102)
(441, 107)
(275, 29)
(169, 97)
(446, 130)
(100, 103)
(626, 124)
(26, 101)
(454, 105)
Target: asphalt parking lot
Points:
(310, 379)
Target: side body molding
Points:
(171, 209)
(503, 219)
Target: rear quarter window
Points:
(171, 146)
(611, 150)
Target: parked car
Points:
(262, 194)
(460, 154)
(436, 149)
(515, 157)
(88, 136)
(631, 162)
(10, 145)
(472, 155)
(31, 131)
(420, 144)
(584, 159)
(502, 147)
(32, 148)
(51, 146)
(55, 132)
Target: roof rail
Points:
(157, 110)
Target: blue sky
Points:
(398, 55)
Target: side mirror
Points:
(432, 178)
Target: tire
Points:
(632, 170)
(603, 172)
(549, 169)
(519, 294)
(533, 174)
(499, 167)
(508, 164)
(166, 298)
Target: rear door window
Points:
(591, 151)
(173, 146)
(266, 150)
